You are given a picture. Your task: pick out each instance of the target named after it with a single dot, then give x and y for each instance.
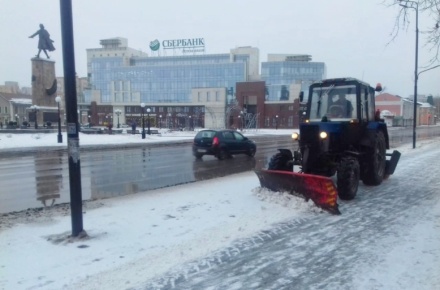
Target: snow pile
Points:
(295, 203)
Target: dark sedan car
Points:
(222, 144)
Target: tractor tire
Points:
(281, 162)
(348, 178)
(374, 171)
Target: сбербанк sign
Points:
(183, 43)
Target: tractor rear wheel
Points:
(281, 162)
(348, 178)
(375, 162)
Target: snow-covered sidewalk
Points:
(133, 238)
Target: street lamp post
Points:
(60, 137)
(276, 122)
(34, 109)
(160, 121)
(79, 117)
(414, 5)
(89, 119)
(148, 121)
(143, 122)
(118, 112)
(16, 120)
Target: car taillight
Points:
(215, 141)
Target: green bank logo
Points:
(155, 45)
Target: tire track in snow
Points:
(320, 251)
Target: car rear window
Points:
(205, 134)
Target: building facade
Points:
(288, 74)
(14, 107)
(196, 90)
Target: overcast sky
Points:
(351, 37)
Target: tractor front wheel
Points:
(281, 162)
(348, 178)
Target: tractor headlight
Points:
(295, 136)
(323, 135)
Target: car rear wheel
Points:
(222, 154)
(198, 155)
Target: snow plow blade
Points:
(320, 189)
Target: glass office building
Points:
(122, 78)
(185, 84)
(282, 71)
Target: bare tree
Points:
(425, 7)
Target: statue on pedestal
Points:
(44, 41)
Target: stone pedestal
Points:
(44, 88)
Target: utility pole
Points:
(72, 118)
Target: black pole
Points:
(60, 137)
(143, 124)
(416, 75)
(148, 123)
(35, 113)
(72, 117)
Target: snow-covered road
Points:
(228, 233)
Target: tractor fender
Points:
(372, 128)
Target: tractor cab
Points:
(342, 99)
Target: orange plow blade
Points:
(320, 189)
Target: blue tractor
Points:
(341, 135)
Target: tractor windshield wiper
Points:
(320, 99)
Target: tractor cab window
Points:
(333, 102)
(364, 104)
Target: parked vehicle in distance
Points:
(222, 144)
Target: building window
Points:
(199, 97)
(208, 96)
(290, 121)
(217, 96)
